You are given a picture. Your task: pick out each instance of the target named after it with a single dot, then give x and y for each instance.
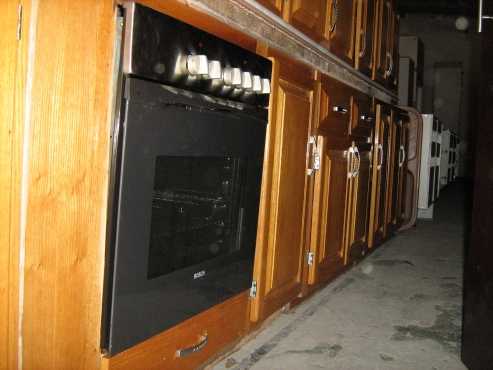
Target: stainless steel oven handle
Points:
(195, 348)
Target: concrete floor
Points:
(398, 309)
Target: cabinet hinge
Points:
(253, 289)
(311, 258)
(315, 156)
(19, 22)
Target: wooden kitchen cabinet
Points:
(362, 117)
(360, 202)
(342, 28)
(384, 43)
(281, 244)
(274, 6)
(380, 176)
(331, 208)
(365, 35)
(310, 17)
(399, 157)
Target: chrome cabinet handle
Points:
(363, 42)
(402, 155)
(358, 162)
(390, 67)
(339, 109)
(482, 16)
(380, 158)
(195, 348)
(334, 16)
(366, 118)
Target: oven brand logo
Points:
(199, 274)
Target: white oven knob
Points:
(197, 65)
(265, 86)
(246, 80)
(232, 76)
(257, 84)
(215, 69)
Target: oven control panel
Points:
(161, 48)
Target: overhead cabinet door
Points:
(342, 23)
(310, 17)
(365, 31)
(281, 243)
(384, 41)
(274, 6)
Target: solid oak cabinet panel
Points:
(274, 6)
(360, 202)
(400, 137)
(331, 207)
(384, 41)
(380, 176)
(365, 36)
(341, 26)
(204, 335)
(310, 17)
(362, 117)
(335, 108)
(281, 245)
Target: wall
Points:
(443, 43)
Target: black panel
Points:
(159, 44)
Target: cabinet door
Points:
(380, 177)
(274, 6)
(335, 108)
(281, 247)
(342, 23)
(365, 31)
(383, 45)
(310, 17)
(360, 203)
(362, 118)
(331, 207)
(394, 68)
(396, 178)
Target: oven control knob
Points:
(215, 69)
(232, 76)
(197, 65)
(257, 84)
(246, 80)
(265, 86)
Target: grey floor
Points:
(398, 309)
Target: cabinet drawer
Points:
(335, 107)
(362, 117)
(198, 339)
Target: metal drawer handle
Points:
(358, 162)
(363, 42)
(380, 162)
(390, 63)
(402, 156)
(195, 348)
(334, 16)
(339, 109)
(366, 118)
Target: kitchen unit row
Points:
(333, 179)
(333, 189)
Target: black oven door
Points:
(186, 212)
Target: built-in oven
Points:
(189, 150)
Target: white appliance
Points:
(429, 187)
(445, 159)
(412, 47)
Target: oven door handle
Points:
(195, 348)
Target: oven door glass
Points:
(197, 211)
